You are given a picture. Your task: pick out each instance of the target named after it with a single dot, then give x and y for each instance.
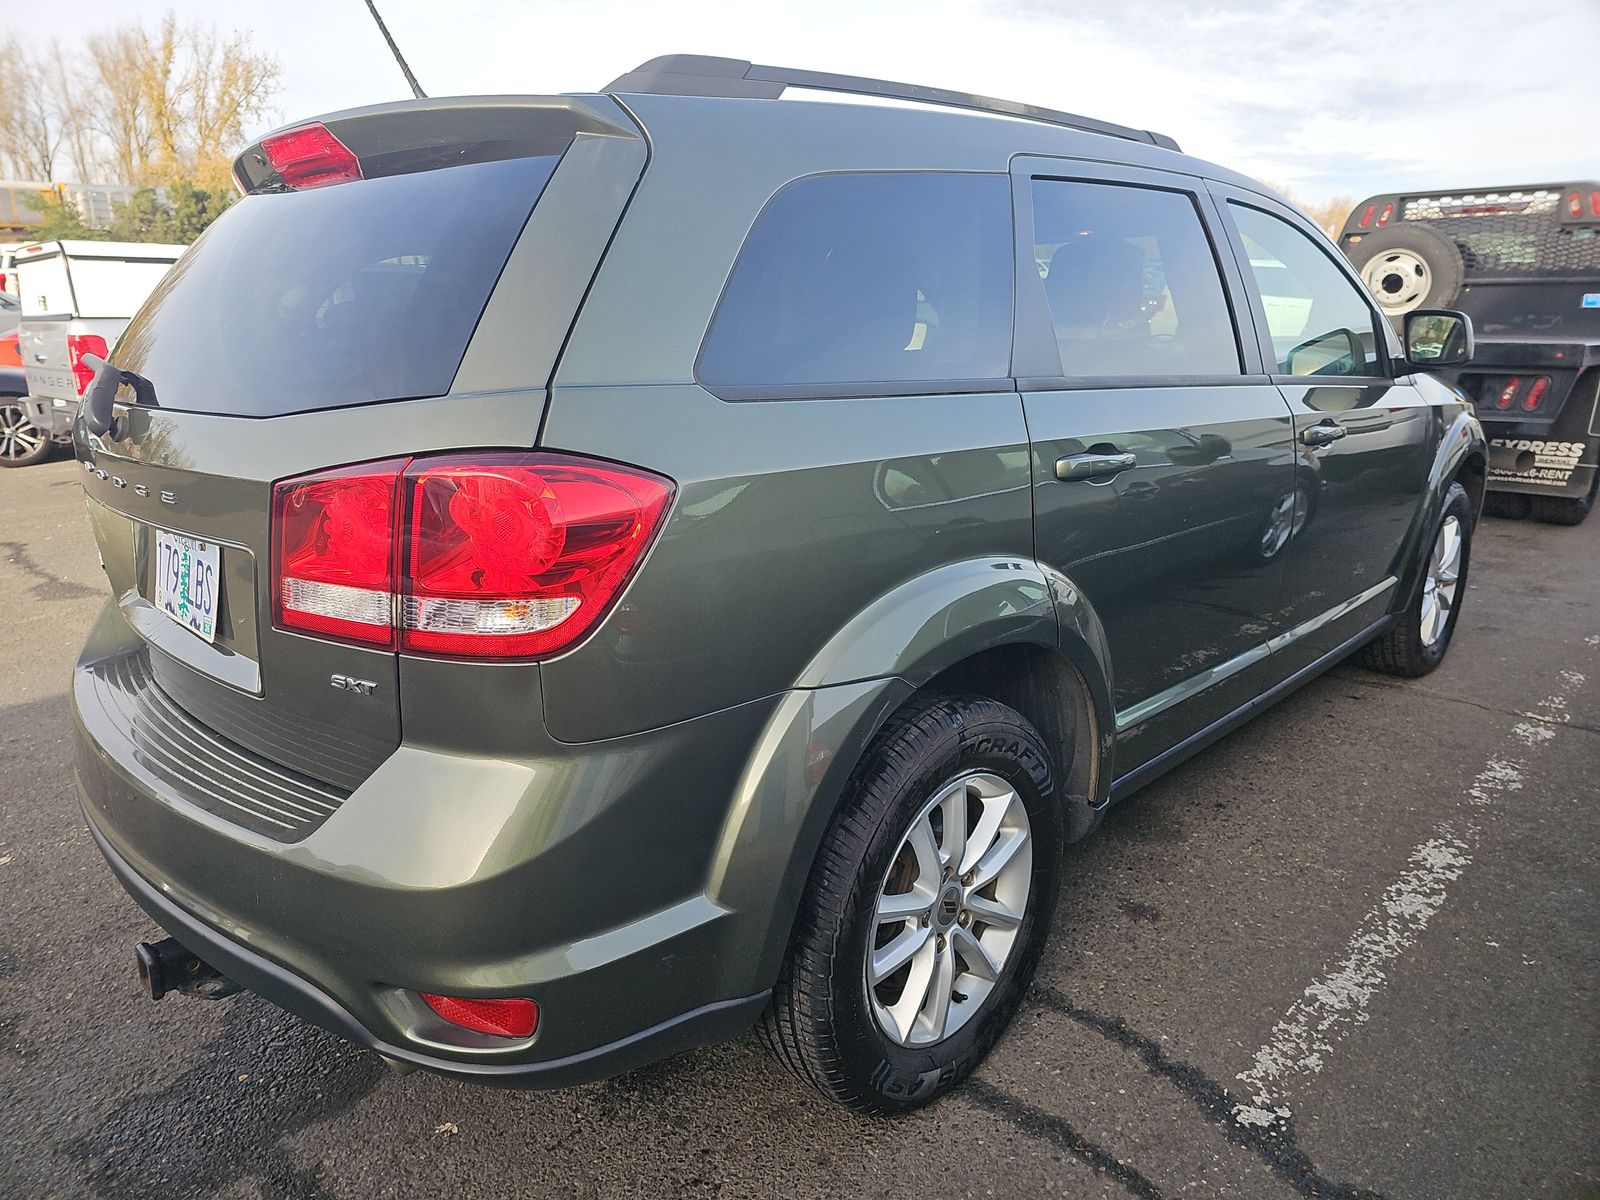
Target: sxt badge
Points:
(346, 683)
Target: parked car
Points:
(18, 437)
(1524, 262)
(570, 602)
(76, 298)
(8, 256)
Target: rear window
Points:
(335, 296)
(869, 278)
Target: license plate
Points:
(187, 580)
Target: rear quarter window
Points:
(889, 279)
(335, 296)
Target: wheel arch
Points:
(1039, 650)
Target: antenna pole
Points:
(416, 88)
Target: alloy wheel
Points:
(20, 438)
(949, 910)
(1439, 588)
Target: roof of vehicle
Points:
(83, 249)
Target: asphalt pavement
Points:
(1352, 950)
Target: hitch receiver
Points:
(166, 966)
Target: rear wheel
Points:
(923, 920)
(1416, 643)
(22, 443)
(1409, 266)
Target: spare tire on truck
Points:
(1407, 267)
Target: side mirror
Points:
(1438, 337)
(1336, 352)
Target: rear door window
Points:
(869, 279)
(1131, 280)
(333, 296)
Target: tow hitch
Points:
(165, 966)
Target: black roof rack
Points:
(706, 75)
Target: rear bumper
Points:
(53, 416)
(716, 1021)
(577, 876)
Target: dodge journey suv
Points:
(590, 574)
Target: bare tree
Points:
(172, 103)
(30, 125)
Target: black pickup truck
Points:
(1524, 262)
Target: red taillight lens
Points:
(508, 1018)
(310, 156)
(1594, 211)
(506, 555)
(10, 350)
(1508, 394)
(1388, 211)
(334, 552)
(1536, 392)
(1574, 204)
(79, 344)
(519, 555)
(1366, 217)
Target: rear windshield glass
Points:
(334, 296)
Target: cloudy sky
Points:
(1326, 97)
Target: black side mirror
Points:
(1438, 337)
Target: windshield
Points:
(333, 296)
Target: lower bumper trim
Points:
(715, 1022)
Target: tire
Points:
(1412, 646)
(824, 1021)
(1513, 506)
(22, 443)
(1564, 510)
(1409, 266)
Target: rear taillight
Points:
(1508, 394)
(513, 1017)
(1366, 217)
(1594, 211)
(501, 555)
(1388, 211)
(10, 350)
(1574, 204)
(1536, 392)
(79, 344)
(333, 553)
(310, 156)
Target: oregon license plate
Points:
(187, 580)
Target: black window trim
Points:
(849, 389)
(1029, 167)
(1381, 330)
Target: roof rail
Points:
(706, 75)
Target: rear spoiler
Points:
(423, 135)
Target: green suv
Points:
(593, 573)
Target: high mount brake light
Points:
(79, 344)
(310, 156)
(491, 556)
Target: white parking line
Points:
(1337, 1002)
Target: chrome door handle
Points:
(1322, 435)
(1093, 466)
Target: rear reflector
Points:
(310, 156)
(509, 1018)
(79, 344)
(488, 556)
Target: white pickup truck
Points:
(76, 299)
